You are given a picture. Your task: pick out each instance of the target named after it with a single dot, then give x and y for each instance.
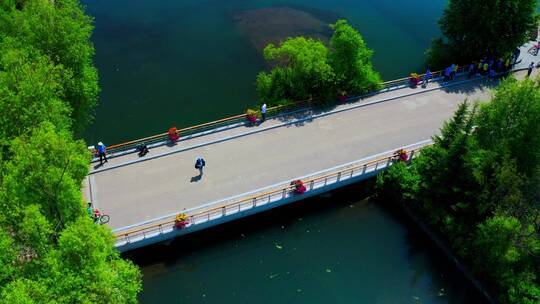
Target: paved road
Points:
(276, 151)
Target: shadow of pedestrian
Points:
(196, 178)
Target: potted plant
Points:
(252, 115)
(414, 79)
(181, 220)
(298, 186)
(173, 134)
(401, 155)
(343, 97)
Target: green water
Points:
(323, 250)
(184, 62)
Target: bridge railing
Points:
(260, 199)
(186, 133)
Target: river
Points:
(178, 63)
(183, 62)
(330, 249)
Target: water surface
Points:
(178, 63)
(330, 249)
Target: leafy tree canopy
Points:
(351, 59)
(479, 186)
(60, 31)
(46, 167)
(477, 28)
(305, 68)
(30, 92)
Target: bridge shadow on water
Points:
(321, 211)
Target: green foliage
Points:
(398, 183)
(7, 257)
(439, 54)
(304, 68)
(302, 71)
(351, 59)
(50, 251)
(60, 31)
(511, 123)
(23, 291)
(46, 167)
(479, 186)
(477, 28)
(83, 268)
(94, 270)
(30, 92)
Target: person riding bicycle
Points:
(94, 213)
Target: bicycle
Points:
(102, 219)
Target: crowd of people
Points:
(488, 66)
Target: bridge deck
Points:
(133, 191)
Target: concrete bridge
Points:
(249, 167)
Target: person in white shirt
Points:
(263, 112)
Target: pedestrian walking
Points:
(427, 77)
(102, 152)
(199, 164)
(529, 70)
(515, 55)
(263, 112)
(492, 74)
(452, 71)
(472, 70)
(447, 73)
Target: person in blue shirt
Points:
(102, 153)
(427, 77)
(447, 73)
(199, 164)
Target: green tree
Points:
(506, 250)
(477, 28)
(301, 71)
(61, 31)
(510, 123)
(7, 256)
(351, 60)
(50, 251)
(30, 92)
(83, 268)
(479, 186)
(304, 68)
(46, 167)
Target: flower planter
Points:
(173, 134)
(180, 221)
(252, 116)
(298, 186)
(414, 80)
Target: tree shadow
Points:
(305, 116)
(476, 84)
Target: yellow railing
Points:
(260, 198)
